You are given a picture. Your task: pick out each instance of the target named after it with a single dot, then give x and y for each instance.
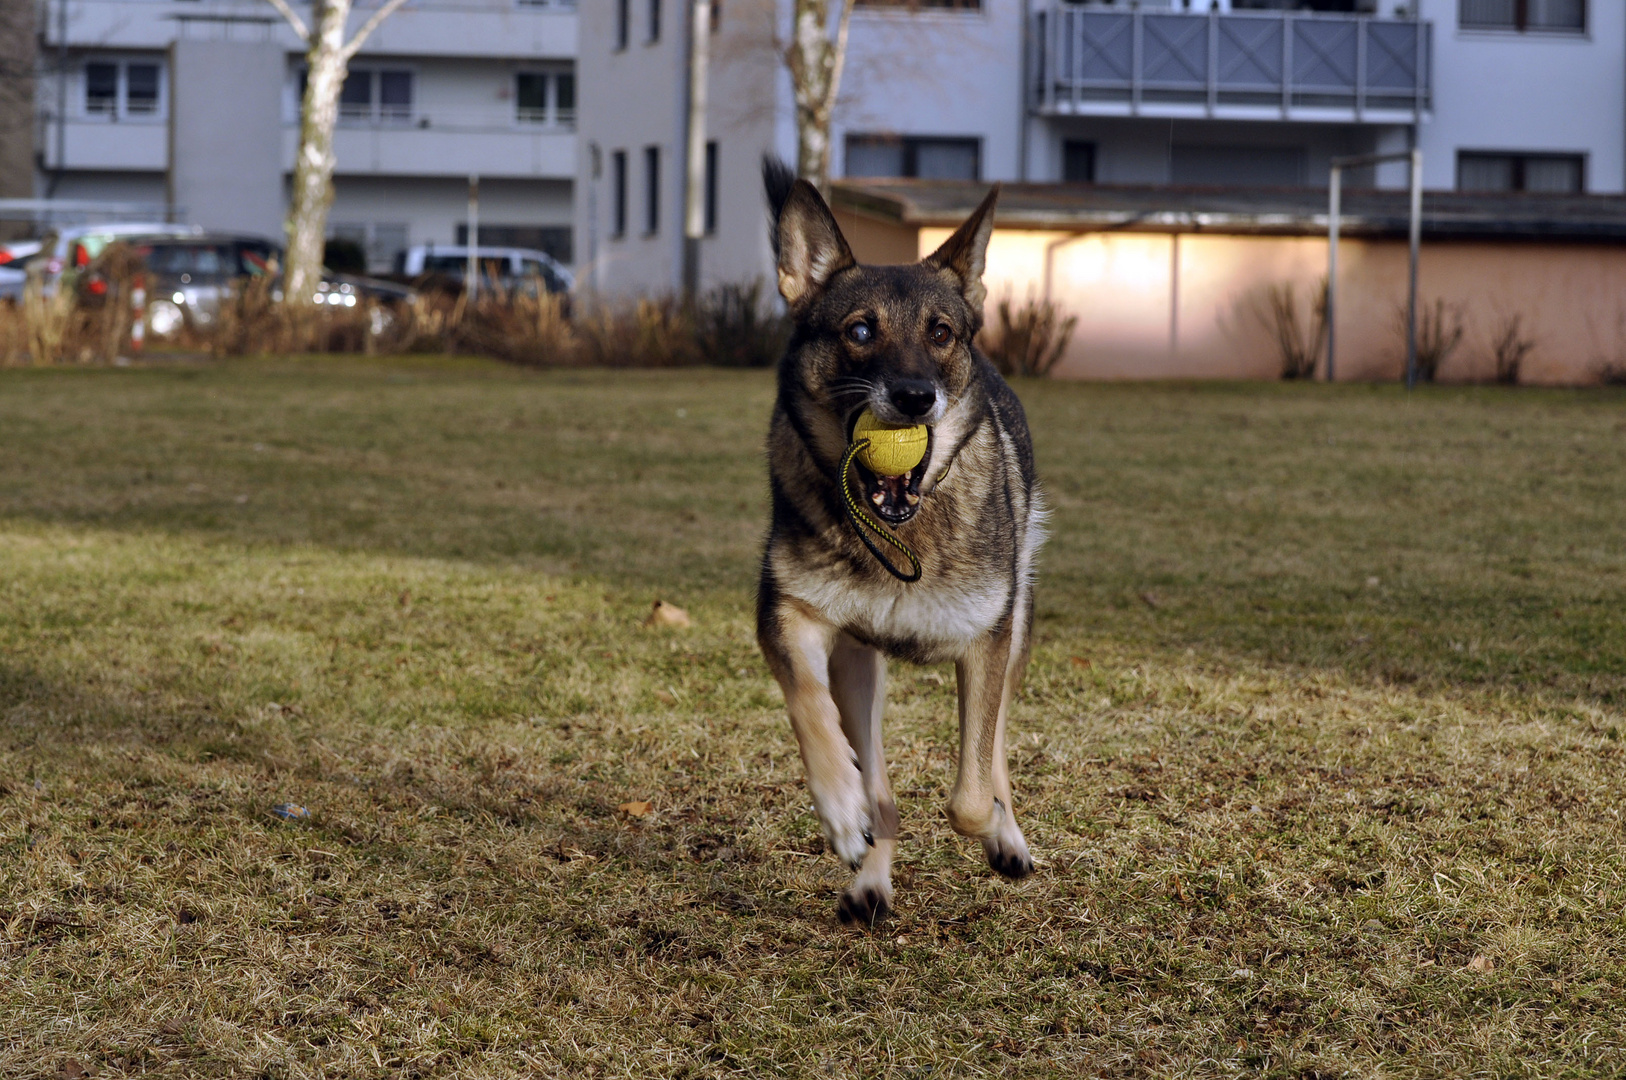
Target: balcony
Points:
(1242, 66)
(451, 142)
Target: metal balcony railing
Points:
(1291, 65)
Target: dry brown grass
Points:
(1321, 753)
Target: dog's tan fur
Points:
(828, 613)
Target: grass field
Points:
(1320, 751)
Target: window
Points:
(370, 96)
(1077, 162)
(618, 193)
(711, 188)
(564, 98)
(652, 190)
(963, 5)
(1564, 16)
(545, 98)
(928, 159)
(355, 96)
(118, 89)
(101, 88)
(531, 96)
(141, 89)
(395, 95)
(1549, 173)
(623, 18)
(654, 22)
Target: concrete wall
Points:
(631, 99)
(936, 72)
(225, 124)
(1562, 93)
(634, 98)
(1157, 306)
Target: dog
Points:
(898, 341)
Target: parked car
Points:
(188, 277)
(64, 253)
(12, 275)
(508, 268)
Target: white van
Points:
(504, 267)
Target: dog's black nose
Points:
(914, 398)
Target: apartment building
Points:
(192, 107)
(1500, 95)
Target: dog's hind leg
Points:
(797, 646)
(858, 685)
(980, 805)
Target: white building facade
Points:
(1500, 95)
(192, 107)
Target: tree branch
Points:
(840, 60)
(384, 12)
(293, 19)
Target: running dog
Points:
(896, 341)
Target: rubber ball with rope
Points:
(884, 451)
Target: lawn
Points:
(1319, 753)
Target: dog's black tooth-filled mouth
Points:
(893, 498)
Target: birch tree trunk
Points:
(328, 56)
(815, 60)
(314, 161)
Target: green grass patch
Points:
(1320, 751)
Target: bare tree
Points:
(815, 58)
(328, 55)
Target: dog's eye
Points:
(942, 334)
(860, 333)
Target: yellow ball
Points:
(892, 451)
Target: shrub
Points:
(1299, 340)
(1027, 340)
(1439, 332)
(736, 329)
(1510, 347)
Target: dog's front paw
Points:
(1007, 849)
(844, 816)
(865, 905)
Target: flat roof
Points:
(1247, 211)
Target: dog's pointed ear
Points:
(809, 244)
(965, 254)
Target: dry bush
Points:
(1027, 340)
(87, 319)
(521, 328)
(13, 334)
(1439, 332)
(731, 326)
(1510, 347)
(736, 328)
(1299, 339)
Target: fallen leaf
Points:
(636, 809)
(1080, 661)
(1482, 963)
(664, 614)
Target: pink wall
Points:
(1153, 306)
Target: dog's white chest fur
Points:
(938, 616)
